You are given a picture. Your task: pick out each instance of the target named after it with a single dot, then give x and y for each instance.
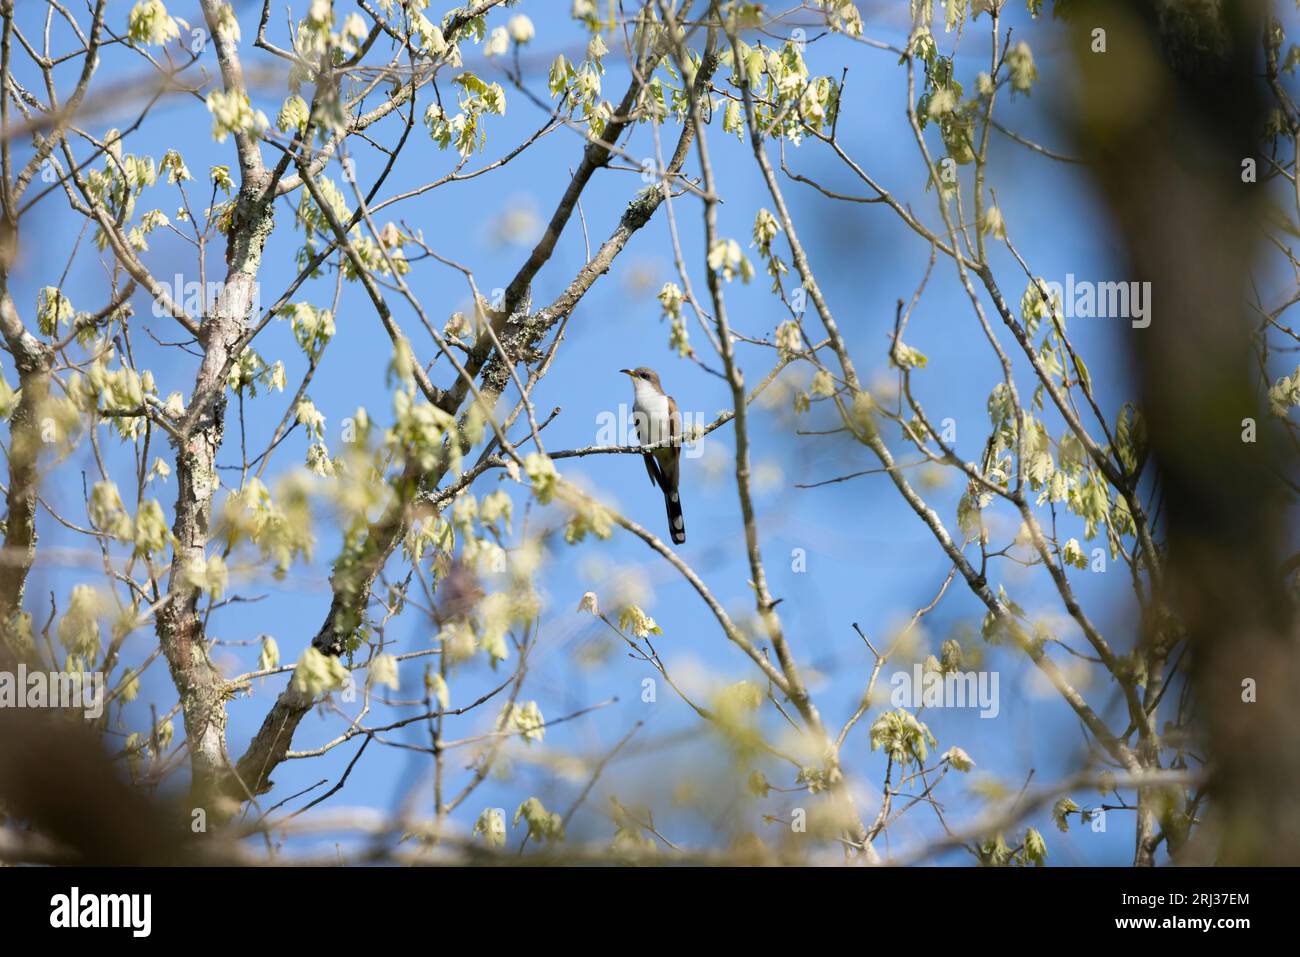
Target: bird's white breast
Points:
(650, 413)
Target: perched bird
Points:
(658, 422)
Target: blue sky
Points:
(869, 560)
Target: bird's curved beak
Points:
(627, 372)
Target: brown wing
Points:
(651, 467)
(671, 457)
(668, 468)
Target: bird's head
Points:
(643, 374)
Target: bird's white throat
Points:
(650, 408)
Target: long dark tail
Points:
(676, 524)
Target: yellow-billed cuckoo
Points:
(658, 422)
